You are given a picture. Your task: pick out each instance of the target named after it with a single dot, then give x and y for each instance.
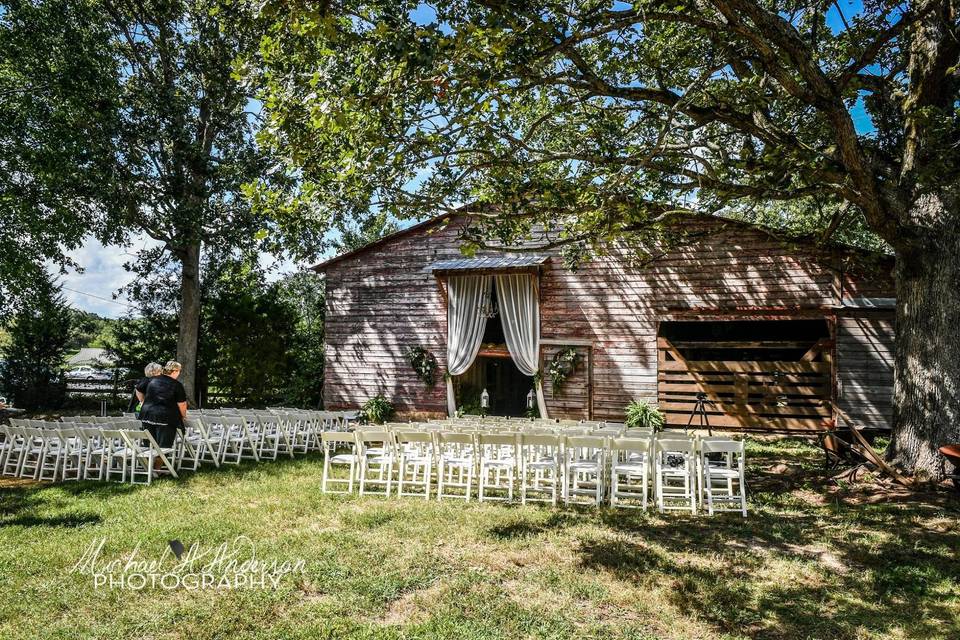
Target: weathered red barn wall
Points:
(384, 300)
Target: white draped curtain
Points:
(519, 299)
(465, 326)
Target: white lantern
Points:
(531, 399)
(484, 400)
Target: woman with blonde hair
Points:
(164, 405)
(136, 398)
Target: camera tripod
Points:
(700, 409)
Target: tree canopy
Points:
(611, 117)
(57, 127)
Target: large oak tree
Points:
(128, 119)
(598, 119)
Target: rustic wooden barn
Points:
(775, 332)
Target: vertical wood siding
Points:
(383, 301)
(865, 369)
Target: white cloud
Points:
(103, 274)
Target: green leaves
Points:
(577, 115)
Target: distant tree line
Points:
(260, 342)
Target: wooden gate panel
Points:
(747, 394)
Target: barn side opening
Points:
(751, 374)
(495, 371)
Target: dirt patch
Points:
(412, 607)
(873, 491)
(20, 483)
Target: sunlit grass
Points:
(808, 563)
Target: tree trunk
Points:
(926, 397)
(189, 317)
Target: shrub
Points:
(643, 415)
(377, 410)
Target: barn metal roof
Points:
(488, 263)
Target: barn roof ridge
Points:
(778, 234)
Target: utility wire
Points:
(111, 301)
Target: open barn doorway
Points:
(751, 374)
(495, 371)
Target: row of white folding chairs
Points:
(82, 451)
(506, 426)
(218, 439)
(567, 467)
(225, 438)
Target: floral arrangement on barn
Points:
(563, 365)
(424, 364)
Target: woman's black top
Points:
(161, 394)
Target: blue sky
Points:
(103, 274)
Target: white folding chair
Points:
(630, 461)
(115, 455)
(723, 475)
(302, 431)
(240, 443)
(190, 446)
(15, 450)
(456, 457)
(584, 468)
(207, 437)
(74, 453)
(415, 463)
(331, 441)
(51, 460)
(35, 450)
(143, 455)
(540, 466)
(498, 465)
(95, 452)
(377, 460)
(270, 436)
(675, 464)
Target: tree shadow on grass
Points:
(526, 528)
(873, 568)
(71, 520)
(270, 468)
(29, 505)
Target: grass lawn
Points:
(811, 561)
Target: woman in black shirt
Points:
(164, 404)
(150, 371)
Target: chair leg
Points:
(440, 479)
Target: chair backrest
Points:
(638, 445)
(586, 442)
(497, 438)
(339, 436)
(539, 440)
(675, 445)
(725, 445)
(452, 437)
(404, 437)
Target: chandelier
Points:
(488, 307)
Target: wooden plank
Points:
(744, 409)
(747, 366)
(741, 344)
(667, 387)
(753, 423)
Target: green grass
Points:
(809, 562)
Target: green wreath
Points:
(563, 365)
(424, 364)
